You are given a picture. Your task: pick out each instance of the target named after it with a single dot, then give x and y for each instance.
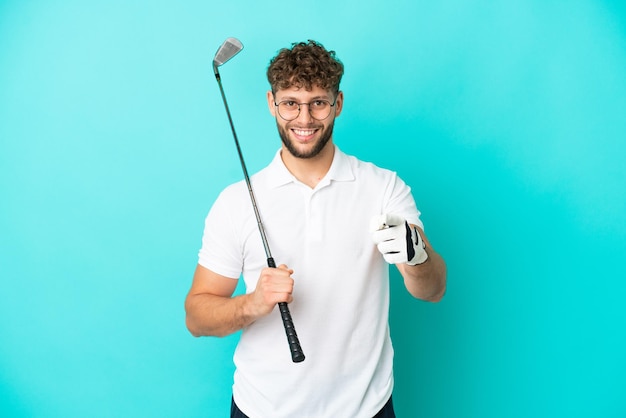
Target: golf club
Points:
(229, 49)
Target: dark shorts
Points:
(386, 412)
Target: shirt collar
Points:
(340, 170)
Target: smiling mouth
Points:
(304, 133)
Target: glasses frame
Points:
(300, 108)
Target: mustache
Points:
(306, 126)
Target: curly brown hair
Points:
(305, 65)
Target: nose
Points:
(305, 114)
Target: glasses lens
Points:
(318, 109)
(288, 110)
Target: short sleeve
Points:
(401, 202)
(221, 248)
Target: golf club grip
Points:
(297, 355)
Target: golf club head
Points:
(229, 49)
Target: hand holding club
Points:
(275, 285)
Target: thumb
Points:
(284, 267)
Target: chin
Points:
(309, 149)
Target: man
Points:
(333, 223)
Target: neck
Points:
(309, 170)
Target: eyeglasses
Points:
(318, 109)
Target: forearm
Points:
(426, 281)
(212, 315)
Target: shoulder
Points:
(258, 179)
(368, 171)
(232, 191)
(379, 180)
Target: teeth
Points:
(302, 132)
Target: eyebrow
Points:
(325, 97)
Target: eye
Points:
(289, 104)
(319, 104)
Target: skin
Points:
(307, 152)
(301, 137)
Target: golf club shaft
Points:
(297, 355)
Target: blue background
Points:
(507, 118)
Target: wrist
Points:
(419, 260)
(248, 309)
(420, 255)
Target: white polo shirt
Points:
(341, 292)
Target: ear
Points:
(270, 103)
(339, 103)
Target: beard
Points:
(317, 147)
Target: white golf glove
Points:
(397, 241)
